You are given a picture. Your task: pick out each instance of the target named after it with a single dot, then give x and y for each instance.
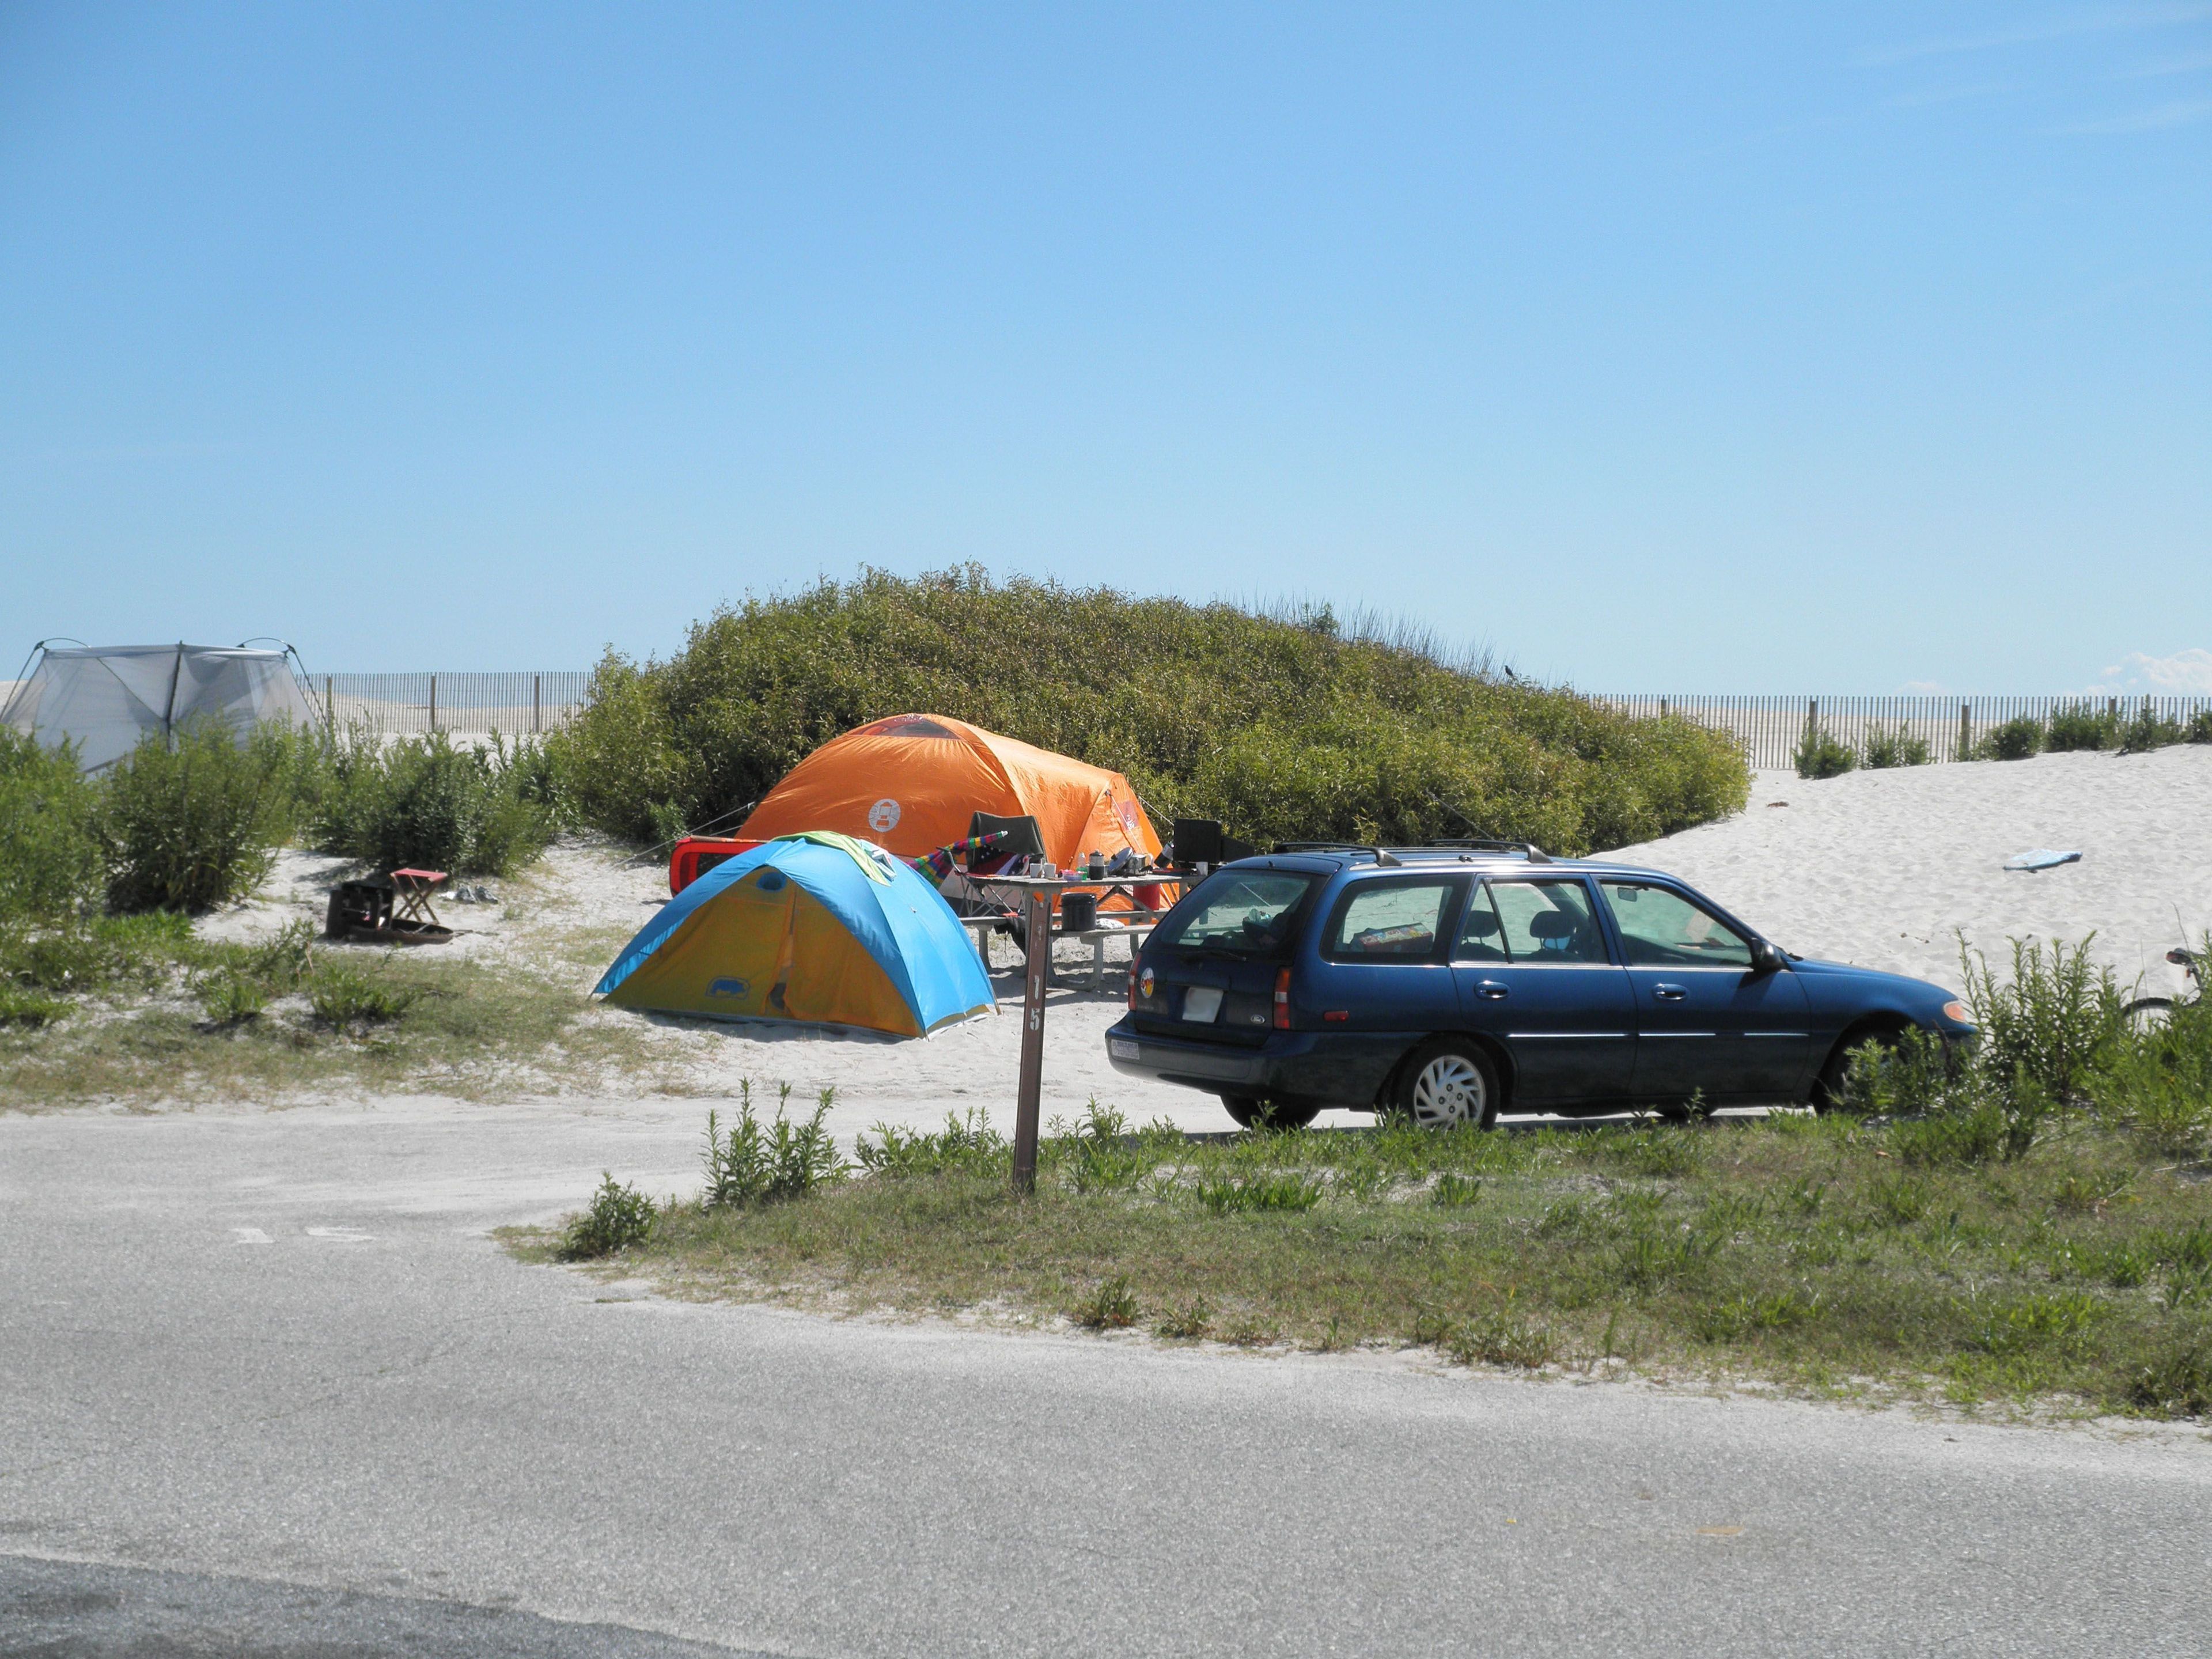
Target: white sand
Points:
(1875, 867)
(1881, 868)
(570, 913)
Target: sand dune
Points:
(1883, 868)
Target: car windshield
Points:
(1246, 912)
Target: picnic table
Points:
(1134, 924)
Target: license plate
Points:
(1202, 1005)
(1120, 1048)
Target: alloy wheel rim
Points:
(1449, 1091)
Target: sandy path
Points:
(1879, 868)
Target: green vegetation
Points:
(2079, 726)
(50, 860)
(422, 802)
(2024, 1225)
(195, 824)
(1280, 727)
(1898, 748)
(2015, 739)
(1821, 1253)
(1821, 754)
(619, 1215)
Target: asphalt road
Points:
(270, 1390)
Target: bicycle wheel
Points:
(2147, 1014)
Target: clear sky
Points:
(1718, 348)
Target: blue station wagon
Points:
(1448, 983)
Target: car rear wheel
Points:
(1446, 1085)
(1252, 1113)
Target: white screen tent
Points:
(106, 699)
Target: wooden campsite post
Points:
(1036, 909)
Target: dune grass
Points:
(1814, 1253)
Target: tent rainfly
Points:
(106, 699)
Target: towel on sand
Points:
(2041, 858)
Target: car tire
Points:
(1251, 1114)
(1828, 1088)
(1447, 1084)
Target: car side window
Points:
(1482, 935)
(1660, 928)
(1390, 922)
(1547, 922)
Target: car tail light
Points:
(1282, 999)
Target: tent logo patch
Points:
(728, 988)
(883, 815)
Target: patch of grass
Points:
(1799, 1249)
(1455, 1191)
(351, 994)
(29, 1009)
(1111, 1307)
(618, 1216)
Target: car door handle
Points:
(1491, 991)
(1669, 993)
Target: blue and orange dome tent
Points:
(816, 928)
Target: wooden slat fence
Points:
(1770, 728)
(512, 705)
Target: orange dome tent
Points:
(912, 782)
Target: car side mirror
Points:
(1765, 959)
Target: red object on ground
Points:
(695, 855)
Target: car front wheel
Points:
(1446, 1085)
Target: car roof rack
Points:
(1527, 850)
(1381, 854)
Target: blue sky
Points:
(1755, 348)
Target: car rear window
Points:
(1390, 920)
(1245, 912)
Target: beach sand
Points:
(1884, 869)
(1878, 868)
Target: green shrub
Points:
(192, 825)
(2016, 740)
(1821, 754)
(345, 993)
(19, 1006)
(2081, 726)
(756, 1163)
(619, 1217)
(2052, 1024)
(421, 802)
(1279, 727)
(51, 864)
(2150, 730)
(2159, 1082)
(2199, 729)
(1897, 748)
